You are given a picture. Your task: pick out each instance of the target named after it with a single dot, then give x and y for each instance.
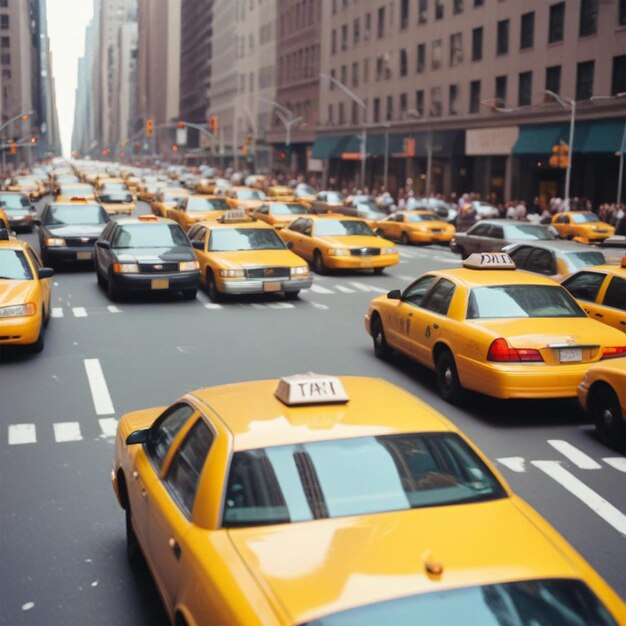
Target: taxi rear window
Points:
(358, 476)
(16, 201)
(566, 602)
(583, 218)
(577, 260)
(207, 204)
(82, 214)
(338, 228)
(423, 217)
(287, 209)
(231, 239)
(519, 301)
(14, 266)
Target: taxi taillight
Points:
(501, 352)
(613, 352)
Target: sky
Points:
(67, 20)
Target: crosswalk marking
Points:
(344, 289)
(514, 463)
(22, 433)
(212, 305)
(113, 309)
(586, 495)
(409, 254)
(367, 288)
(321, 307)
(56, 311)
(99, 391)
(108, 426)
(319, 289)
(575, 455)
(79, 311)
(67, 431)
(617, 462)
(445, 259)
(281, 305)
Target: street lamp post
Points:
(288, 119)
(25, 115)
(429, 149)
(571, 104)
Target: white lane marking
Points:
(317, 305)
(259, 305)
(576, 456)
(22, 433)
(212, 305)
(320, 289)
(79, 311)
(56, 311)
(108, 426)
(27, 606)
(55, 283)
(67, 431)
(368, 288)
(202, 297)
(282, 305)
(406, 253)
(514, 463)
(618, 462)
(98, 386)
(343, 289)
(410, 278)
(113, 309)
(446, 259)
(587, 496)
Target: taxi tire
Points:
(189, 294)
(318, 263)
(448, 383)
(380, 232)
(382, 350)
(292, 295)
(133, 549)
(211, 288)
(379, 270)
(404, 239)
(461, 251)
(112, 291)
(608, 418)
(39, 344)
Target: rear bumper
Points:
(122, 207)
(256, 286)
(177, 281)
(360, 262)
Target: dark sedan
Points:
(18, 209)
(68, 231)
(146, 254)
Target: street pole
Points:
(568, 173)
(386, 166)
(222, 148)
(620, 175)
(429, 162)
(235, 144)
(363, 154)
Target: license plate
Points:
(367, 263)
(83, 256)
(570, 355)
(267, 286)
(160, 283)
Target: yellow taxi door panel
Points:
(398, 321)
(613, 308)
(143, 473)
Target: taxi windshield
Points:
(78, 214)
(583, 218)
(527, 231)
(423, 217)
(114, 187)
(206, 204)
(14, 266)
(516, 301)
(80, 192)
(230, 239)
(173, 197)
(287, 209)
(358, 476)
(567, 602)
(250, 194)
(577, 260)
(14, 202)
(150, 236)
(340, 228)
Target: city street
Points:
(62, 541)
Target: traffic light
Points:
(13, 148)
(560, 156)
(174, 148)
(214, 123)
(149, 127)
(181, 125)
(34, 139)
(281, 155)
(25, 117)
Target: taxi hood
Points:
(13, 292)
(319, 567)
(255, 258)
(357, 241)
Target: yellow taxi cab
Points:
(4, 221)
(278, 213)
(24, 294)
(601, 291)
(205, 186)
(285, 502)
(581, 224)
(247, 198)
(338, 242)
(114, 195)
(166, 198)
(603, 394)
(491, 329)
(280, 193)
(415, 227)
(69, 191)
(197, 208)
(29, 185)
(239, 255)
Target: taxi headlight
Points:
(188, 266)
(54, 242)
(232, 273)
(18, 310)
(423, 229)
(299, 271)
(338, 252)
(389, 251)
(126, 268)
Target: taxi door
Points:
(610, 307)
(393, 228)
(302, 240)
(198, 236)
(170, 513)
(45, 284)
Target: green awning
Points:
(602, 136)
(329, 146)
(540, 138)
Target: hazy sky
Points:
(67, 20)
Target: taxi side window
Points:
(184, 472)
(541, 262)
(438, 299)
(480, 230)
(585, 285)
(296, 225)
(414, 294)
(520, 256)
(33, 258)
(615, 295)
(497, 232)
(562, 219)
(197, 236)
(106, 233)
(307, 227)
(165, 429)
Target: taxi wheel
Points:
(448, 383)
(318, 263)
(608, 419)
(189, 294)
(292, 295)
(133, 550)
(404, 239)
(39, 344)
(461, 251)
(211, 288)
(381, 347)
(379, 270)
(112, 291)
(380, 232)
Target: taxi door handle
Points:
(622, 322)
(598, 315)
(436, 326)
(173, 544)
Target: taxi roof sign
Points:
(489, 261)
(235, 216)
(147, 218)
(311, 388)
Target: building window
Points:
(557, 19)
(436, 55)
(404, 62)
(421, 57)
(6, 73)
(584, 80)
(355, 74)
(355, 113)
(453, 99)
(456, 49)
(341, 115)
(474, 104)
(344, 74)
(389, 108)
(527, 33)
(404, 103)
(553, 78)
(368, 26)
(4, 4)
(356, 31)
(381, 22)
(502, 45)
(5, 58)
(419, 101)
(479, 3)
(501, 82)
(618, 80)
(333, 42)
(588, 24)
(404, 13)
(344, 37)
(525, 89)
(435, 102)
(5, 42)
(439, 10)
(621, 12)
(4, 22)
(379, 67)
(366, 70)
(457, 7)
(376, 110)
(332, 85)
(334, 7)
(477, 44)
(422, 14)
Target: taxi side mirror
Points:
(138, 436)
(290, 245)
(103, 244)
(198, 245)
(394, 294)
(45, 272)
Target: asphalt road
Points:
(62, 540)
